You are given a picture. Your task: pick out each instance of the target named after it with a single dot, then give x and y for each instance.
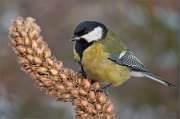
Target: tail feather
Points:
(158, 79)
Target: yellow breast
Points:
(98, 67)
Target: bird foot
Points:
(82, 74)
(104, 89)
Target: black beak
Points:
(75, 38)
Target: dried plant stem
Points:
(62, 83)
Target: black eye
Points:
(85, 32)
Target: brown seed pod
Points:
(48, 83)
(29, 51)
(86, 84)
(21, 49)
(19, 41)
(30, 57)
(98, 106)
(60, 87)
(39, 40)
(19, 21)
(54, 72)
(108, 108)
(23, 61)
(84, 102)
(14, 34)
(56, 78)
(74, 92)
(89, 110)
(33, 76)
(49, 61)
(23, 34)
(42, 79)
(63, 76)
(106, 116)
(42, 70)
(13, 42)
(101, 97)
(39, 51)
(37, 60)
(66, 96)
(27, 41)
(58, 65)
(52, 93)
(82, 92)
(79, 112)
(84, 116)
(34, 45)
(92, 95)
(33, 34)
(30, 20)
(68, 84)
(96, 85)
(39, 84)
(16, 52)
(47, 53)
(76, 102)
(79, 80)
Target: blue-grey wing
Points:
(127, 58)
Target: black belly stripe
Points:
(80, 46)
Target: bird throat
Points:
(80, 46)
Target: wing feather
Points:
(129, 60)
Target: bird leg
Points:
(104, 88)
(82, 74)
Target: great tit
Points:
(103, 56)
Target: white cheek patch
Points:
(94, 35)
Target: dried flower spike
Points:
(62, 83)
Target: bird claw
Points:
(82, 74)
(104, 89)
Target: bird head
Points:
(89, 31)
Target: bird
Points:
(103, 56)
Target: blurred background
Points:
(150, 28)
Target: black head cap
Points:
(88, 26)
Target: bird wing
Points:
(127, 58)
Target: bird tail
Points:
(158, 79)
